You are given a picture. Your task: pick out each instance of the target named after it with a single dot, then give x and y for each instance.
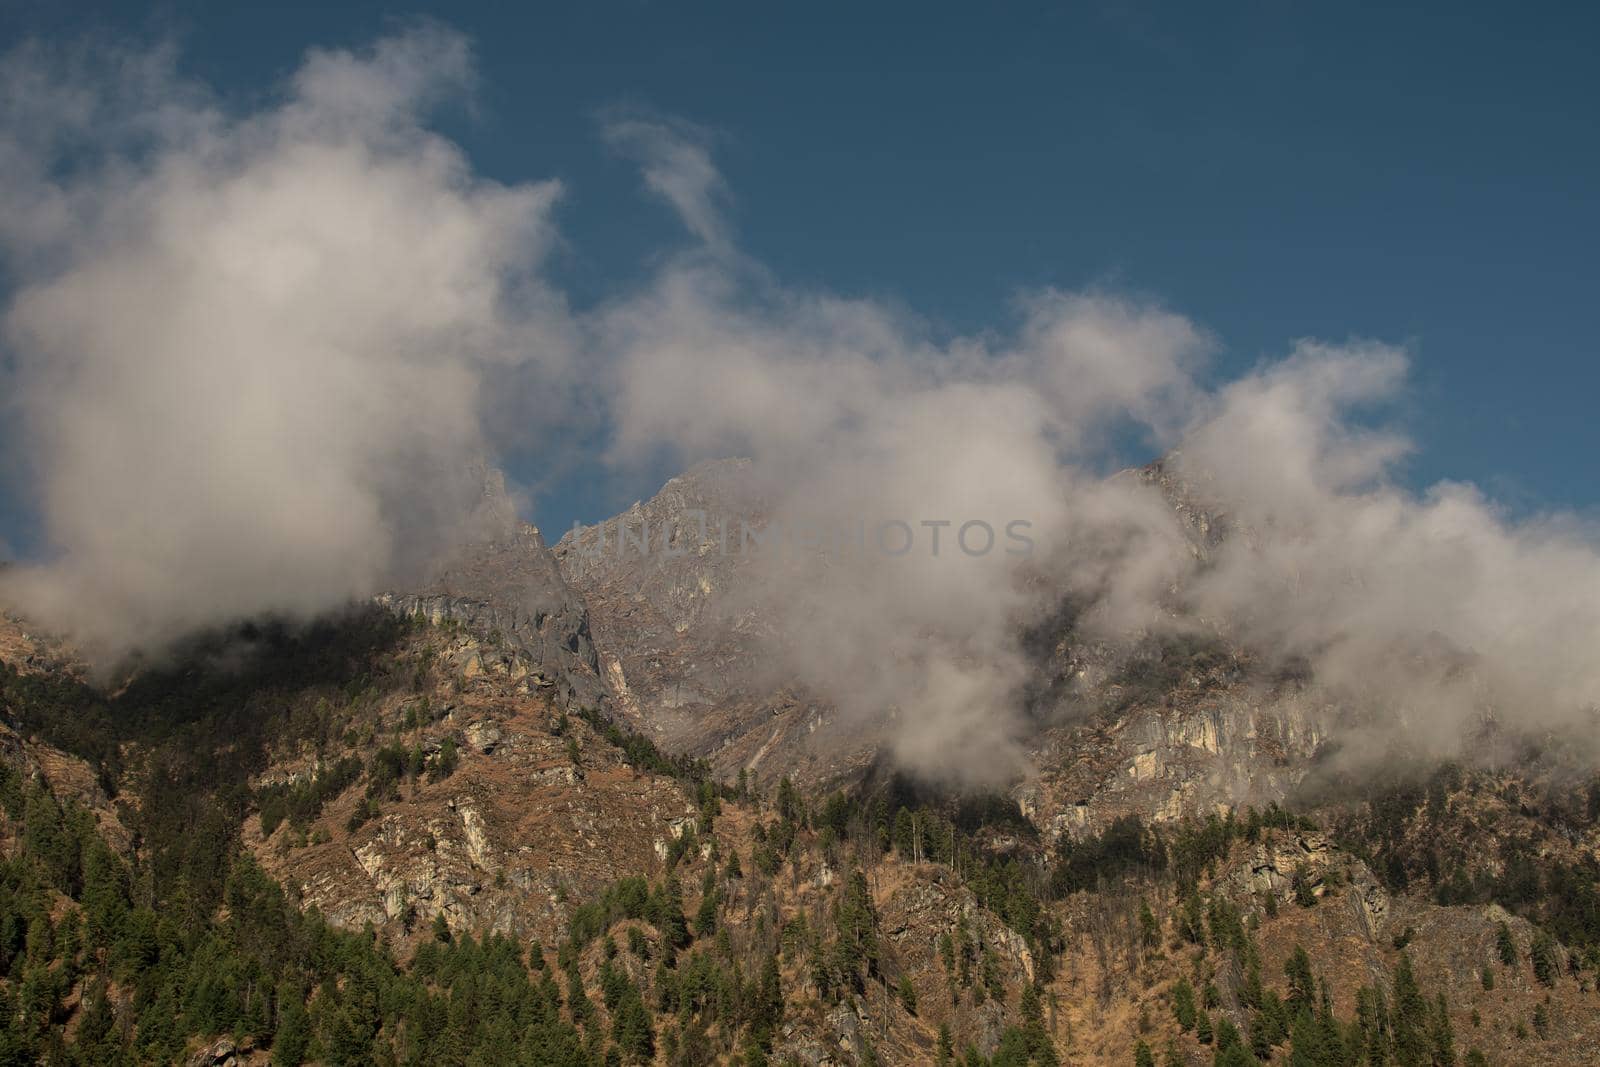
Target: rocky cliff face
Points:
(1165, 762)
(1161, 730)
(519, 835)
(505, 583)
(681, 637)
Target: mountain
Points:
(541, 808)
(504, 582)
(669, 587)
(1173, 727)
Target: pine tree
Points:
(1304, 892)
(1444, 1036)
(1142, 1056)
(1262, 1035)
(1313, 1043)
(1507, 945)
(904, 834)
(105, 894)
(1545, 957)
(1227, 1034)
(1410, 1017)
(630, 1026)
(1183, 1004)
(705, 918)
(1302, 987)
(789, 807)
(1251, 994)
(96, 1040)
(1041, 1049)
(857, 944)
(670, 919)
(293, 1039)
(1372, 1023)
(1235, 1055)
(908, 994)
(1149, 929)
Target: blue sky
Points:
(1429, 177)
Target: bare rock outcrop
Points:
(504, 585)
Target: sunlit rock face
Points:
(504, 585)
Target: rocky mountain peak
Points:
(504, 581)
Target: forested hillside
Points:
(889, 922)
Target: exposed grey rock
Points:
(221, 1053)
(483, 736)
(505, 587)
(685, 645)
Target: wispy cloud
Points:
(675, 159)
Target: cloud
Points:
(248, 351)
(675, 159)
(257, 358)
(1436, 608)
(853, 415)
(1431, 611)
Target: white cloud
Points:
(249, 349)
(675, 159)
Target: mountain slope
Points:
(423, 832)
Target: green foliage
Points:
(1123, 847)
(790, 807)
(853, 957)
(639, 751)
(1443, 1034)
(908, 994)
(1411, 1017)
(1525, 878)
(1545, 957)
(661, 905)
(1302, 987)
(1506, 945)
(1149, 929)
(1183, 1006)
(197, 941)
(259, 967)
(1304, 892)
(444, 764)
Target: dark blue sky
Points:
(1274, 170)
